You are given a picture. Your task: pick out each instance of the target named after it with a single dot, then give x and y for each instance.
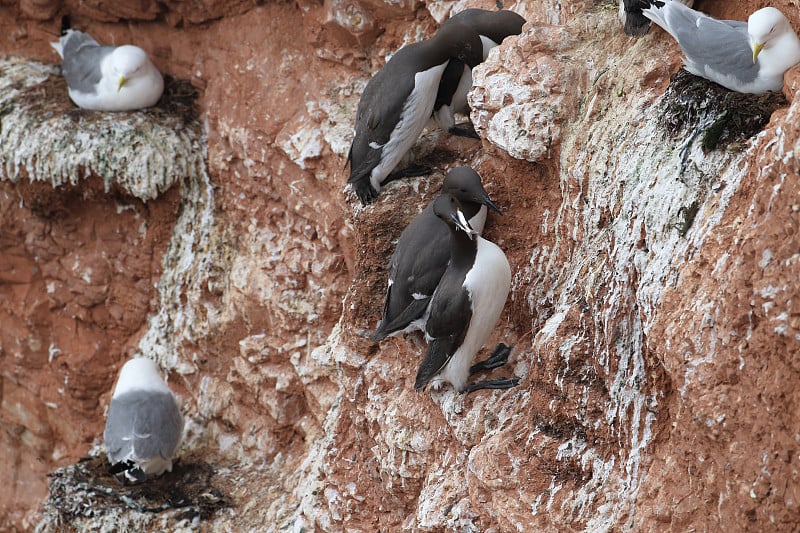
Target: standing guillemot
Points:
(422, 253)
(144, 424)
(451, 98)
(634, 23)
(397, 103)
(465, 308)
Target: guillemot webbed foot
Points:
(365, 192)
(498, 358)
(464, 131)
(492, 384)
(412, 171)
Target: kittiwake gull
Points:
(747, 57)
(144, 424)
(107, 78)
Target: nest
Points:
(87, 496)
(45, 138)
(723, 118)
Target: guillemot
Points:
(451, 98)
(397, 103)
(422, 253)
(465, 308)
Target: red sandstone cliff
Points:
(654, 309)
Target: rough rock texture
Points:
(653, 312)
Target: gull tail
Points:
(66, 25)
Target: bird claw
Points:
(464, 131)
(498, 358)
(365, 192)
(493, 384)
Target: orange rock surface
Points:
(658, 350)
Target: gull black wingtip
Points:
(120, 467)
(634, 23)
(636, 26)
(66, 24)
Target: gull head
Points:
(140, 373)
(127, 62)
(764, 26)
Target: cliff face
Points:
(653, 316)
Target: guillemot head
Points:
(495, 25)
(459, 41)
(465, 184)
(448, 208)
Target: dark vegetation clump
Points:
(178, 99)
(721, 117)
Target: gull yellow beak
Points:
(122, 78)
(757, 47)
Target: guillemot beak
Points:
(121, 83)
(757, 47)
(462, 224)
(490, 204)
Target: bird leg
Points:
(411, 171)
(464, 131)
(498, 358)
(492, 384)
(365, 192)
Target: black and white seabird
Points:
(422, 253)
(107, 78)
(634, 23)
(144, 424)
(465, 308)
(493, 27)
(397, 103)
